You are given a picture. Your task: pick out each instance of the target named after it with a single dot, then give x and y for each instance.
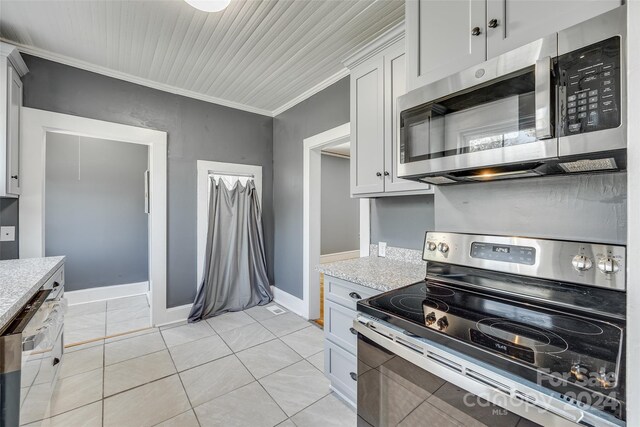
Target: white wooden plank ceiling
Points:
(256, 55)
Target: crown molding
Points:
(312, 91)
(10, 51)
(87, 66)
(83, 65)
(369, 50)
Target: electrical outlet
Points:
(382, 249)
(7, 234)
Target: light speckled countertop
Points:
(20, 279)
(375, 272)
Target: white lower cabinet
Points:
(341, 340)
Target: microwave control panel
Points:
(589, 88)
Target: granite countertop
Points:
(20, 279)
(379, 273)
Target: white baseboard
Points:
(174, 315)
(290, 302)
(106, 292)
(280, 297)
(339, 256)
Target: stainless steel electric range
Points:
(504, 331)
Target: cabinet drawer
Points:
(346, 293)
(338, 326)
(341, 369)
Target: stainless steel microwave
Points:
(557, 105)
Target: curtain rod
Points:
(248, 175)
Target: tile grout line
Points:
(302, 358)
(184, 389)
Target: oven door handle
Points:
(544, 129)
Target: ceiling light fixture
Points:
(209, 5)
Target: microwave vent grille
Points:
(437, 180)
(589, 165)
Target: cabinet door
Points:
(441, 40)
(367, 127)
(14, 101)
(395, 75)
(522, 21)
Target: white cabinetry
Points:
(514, 23)
(341, 340)
(378, 77)
(12, 67)
(444, 37)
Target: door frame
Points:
(309, 307)
(33, 130)
(204, 169)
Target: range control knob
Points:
(430, 318)
(579, 372)
(442, 323)
(431, 246)
(443, 247)
(608, 265)
(582, 263)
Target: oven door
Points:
(393, 391)
(402, 381)
(497, 113)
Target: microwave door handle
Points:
(543, 98)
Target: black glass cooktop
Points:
(583, 350)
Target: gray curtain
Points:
(235, 267)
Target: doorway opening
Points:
(312, 216)
(40, 234)
(96, 215)
(339, 213)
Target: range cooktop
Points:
(578, 356)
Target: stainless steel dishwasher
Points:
(31, 351)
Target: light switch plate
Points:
(7, 234)
(382, 249)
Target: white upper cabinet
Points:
(395, 76)
(12, 67)
(443, 37)
(513, 23)
(378, 77)
(448, 36)
(367, 127)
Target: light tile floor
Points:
(94, 320)
(249, 368)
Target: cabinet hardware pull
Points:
(353, 331)
(378, 174)
(475, 31)
(55, 361)
(355, 295)
(386, 173)
(56, 284)
(493, 23)
(14, 176)
(353, 376)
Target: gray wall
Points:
(325, 110)
(401, 221)
(9, 216)
(196, 130)
(581, 207)
(94, 210)
(340, 214)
